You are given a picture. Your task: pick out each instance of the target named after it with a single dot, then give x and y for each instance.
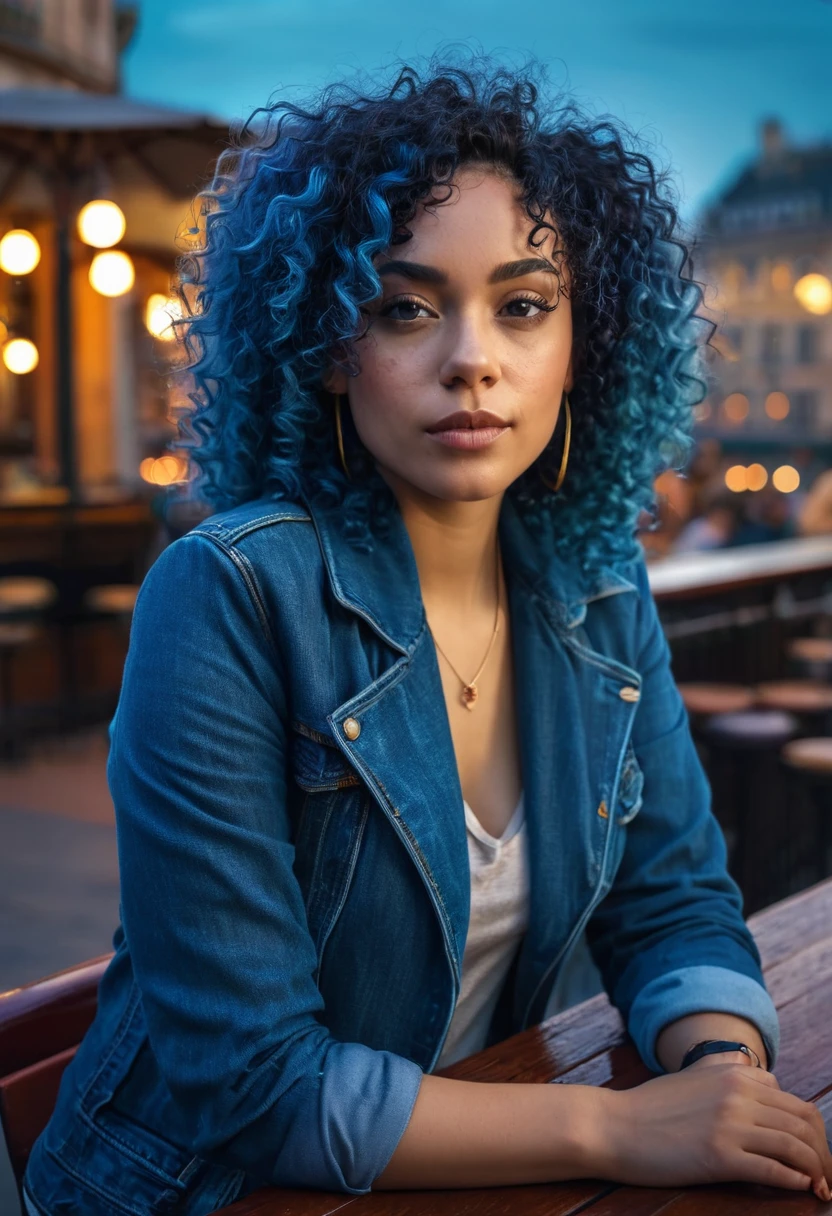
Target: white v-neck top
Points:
(499, 918)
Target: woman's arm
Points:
(714, 1123)
(678, 1036)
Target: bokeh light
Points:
(112, 273)
(19, 252)
(164, 470)
(736, 478)
(814, 293)
(756, 476)
(101, 224)
(159, 312)
(20, 356)
(735, 407)
(786, 479)
(777, 406)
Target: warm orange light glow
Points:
(19, 252)
(20, 356)
(777, 406)
(735, 407)
(164, 470)
(736, 478)
(756, 476)
(814, 293)
(112, 273)
(159, 312)
(786, 479)
(101, 224)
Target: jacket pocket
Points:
(629, 800)
(120, 1144)
(329, 832)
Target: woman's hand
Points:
(715, 1121)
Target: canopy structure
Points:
(74, 140)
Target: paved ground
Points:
(58, 869)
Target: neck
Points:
(455, 547)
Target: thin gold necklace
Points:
(470, 692)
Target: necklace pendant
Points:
(469, 695)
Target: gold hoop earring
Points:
(565, 457)
(340, 434)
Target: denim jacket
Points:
(294, 875)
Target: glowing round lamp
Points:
(159, 312)
(814, 293)
(756, 476)
(735, 407)
(786, 479)
(20, 356)
(146, 468)
(101, 223)
(777, 406)
(736, 478)
(19, 252)
(112, 273)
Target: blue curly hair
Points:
(303, 198)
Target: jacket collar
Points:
(383, 585)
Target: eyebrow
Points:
(418, 272)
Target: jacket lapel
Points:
(405, 752)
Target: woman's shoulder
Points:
(232, 526)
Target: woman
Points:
(398, 734)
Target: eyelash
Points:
(535, 300)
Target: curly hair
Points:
(304, 196)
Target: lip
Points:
(462, 420)
(469, 438)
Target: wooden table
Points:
(587, 1045)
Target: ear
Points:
(334, 380)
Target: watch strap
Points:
(709, 1047)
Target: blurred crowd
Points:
(698, 512)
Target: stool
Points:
(746, 738)
(114, 602)
(703, 699)
(811, 657)
(810, 700)
(812, 759)
(23, 602)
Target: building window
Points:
(807, 343)
(804, 409)
(772, 343)
(734, 336)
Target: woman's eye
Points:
(403, 310)
(529, 307)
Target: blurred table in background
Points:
(72, 675)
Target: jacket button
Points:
(352, 728)
(627, 693)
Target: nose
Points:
(470, 360)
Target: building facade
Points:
(72, 43)
(766, 255)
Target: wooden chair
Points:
(41, 1026)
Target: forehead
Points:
(483, 216)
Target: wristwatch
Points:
(709, 1047)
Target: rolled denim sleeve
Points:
(212, 912)
(670, 939)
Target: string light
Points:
(101, 223)
(20, 356)
(19, 252)
(112, 273)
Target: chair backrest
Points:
(41, 1026)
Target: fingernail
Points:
(825, 1193)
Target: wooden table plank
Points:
(588, 1045)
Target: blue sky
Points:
(693, 79)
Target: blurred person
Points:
(715, 529)
(768, 518)
(398, 731)
(814, 517)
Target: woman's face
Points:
(462, 325)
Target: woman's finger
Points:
(768, 1172)
(782, 1146)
